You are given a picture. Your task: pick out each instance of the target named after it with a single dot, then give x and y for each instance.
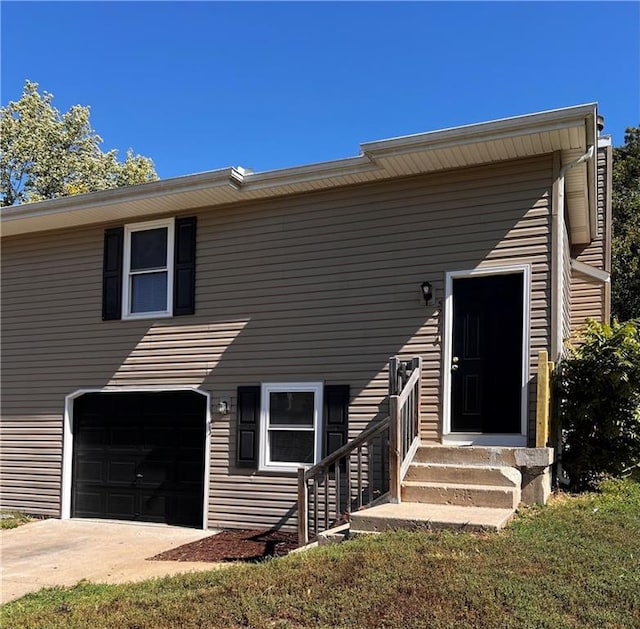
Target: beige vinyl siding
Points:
(590, 297)
(31, 451)
(316, 287)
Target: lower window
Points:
(290, 432)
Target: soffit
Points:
(576, 201)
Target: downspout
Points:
(557, 255)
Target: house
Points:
(176, 351)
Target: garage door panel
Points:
(123, 437)
(120, 505)
(186, 509)
(158, 436)
(153, 506)
(90, 470)
(90, 503)
(121, 472)
(189, 472)
(139, 456)
(191, 437)
(153, 473)
(187, 451)
(94, 437)
(159, 453)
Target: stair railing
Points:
(404, 437)
(370, 467)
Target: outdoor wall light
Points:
(223, 407)
(427, 292)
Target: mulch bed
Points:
(248, 545)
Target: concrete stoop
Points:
(416, 516)
(527, 468)
(462, 485)
(471, 488)
(461, 495)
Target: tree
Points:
(45, 154)
(626, 227)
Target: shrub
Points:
(599, 391)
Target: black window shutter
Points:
(184, 269)
(336, 417)
(112, 273)
(248, 427)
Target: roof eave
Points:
(377, 161)
(484, 131)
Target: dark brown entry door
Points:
(486, 368)
(139, 456)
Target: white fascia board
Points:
(592, 169)
(485, 131)
(297, 175)
(589, 193)
(236, 178)
(590, 271)
(127, 194)
(332, 172)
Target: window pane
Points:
(149, 292)
(149, 249)
(290, 446)
(292, 408)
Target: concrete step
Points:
(495, 456)
(335, 535)
(461, 494)
(412, 516)
(468, 474)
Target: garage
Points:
(139, 456)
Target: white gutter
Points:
(375, 162)
(557, 255)
(554, 119)
(599, 275)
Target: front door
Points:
(486, 366)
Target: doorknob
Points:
(454, 361)
(138, 475)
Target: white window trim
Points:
(126, 271)
(265, 462)
(493, 439)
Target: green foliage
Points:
(599, 387)
(573, 563)
(13, 519)
(625, 272)
(45, 154)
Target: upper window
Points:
(290, 425)
(149, 269)
(147, 287)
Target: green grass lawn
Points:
(574, 563)
(13, 519)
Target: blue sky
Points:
(203, 85)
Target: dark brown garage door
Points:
(139, 456)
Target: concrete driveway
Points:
(62, 552)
